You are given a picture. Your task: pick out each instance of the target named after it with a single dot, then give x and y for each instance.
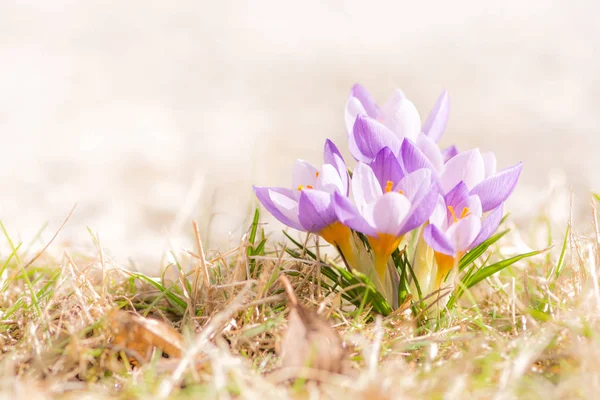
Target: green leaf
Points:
(490, 270)
(475, 253)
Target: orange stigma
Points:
(300, 187)
(317, 174)
(388, 186)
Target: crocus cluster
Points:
(402, 182)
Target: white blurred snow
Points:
(148, 114)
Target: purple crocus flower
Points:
(390, 124)
(369, 136)
(308, 205)
(388, 204)
(477, 171)
(457, 225)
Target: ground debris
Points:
(140, 336)
(309, 341)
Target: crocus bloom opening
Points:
(456, 226)
(386, 209)
(478, 172)
(308, 205)
(389, 125)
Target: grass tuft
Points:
(531, 330)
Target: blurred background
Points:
(149, 114)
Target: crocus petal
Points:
(467, 167)
(365, 186)
(432, 151)
(303, 175)
(437, 240)
(421, 209)
(333, 157)
(457, 194)
(286, 211)
(496, 189)
(438, 118)
(353, 108)
(449, 152)
(348, 215)
(489, 161)
(488, 226)
(387, 213)
(330, 181)
(473, 203)
(415, 184)
(386, 167)
(412, 158)
(329, 151)
(362, 94)
(315, 210)
(401, 116)
(438, 216)
(371, 136)
(463, 232)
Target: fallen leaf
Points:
(139, 336)
(309, 341)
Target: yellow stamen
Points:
(388, 186)
(465, 212)
(300, 187)
(340, 235)
(383, 246)
(451, 209)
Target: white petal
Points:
(432, 151)
(439, 215)
(467, 167)
(388, 212)
(286, 205)
(402, 117)
(353, 108)
(415, 184)
(489, 161)
(365, 186)
(463, 232)
(329, 180)
(303, 174)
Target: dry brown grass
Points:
(529, 332)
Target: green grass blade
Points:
(561, 258)
(490, 270)
(300, 246)
(475, 253)
(167, 292)
(12, 254)
(254, 228)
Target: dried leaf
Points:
(309, 341)
(139, 336)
